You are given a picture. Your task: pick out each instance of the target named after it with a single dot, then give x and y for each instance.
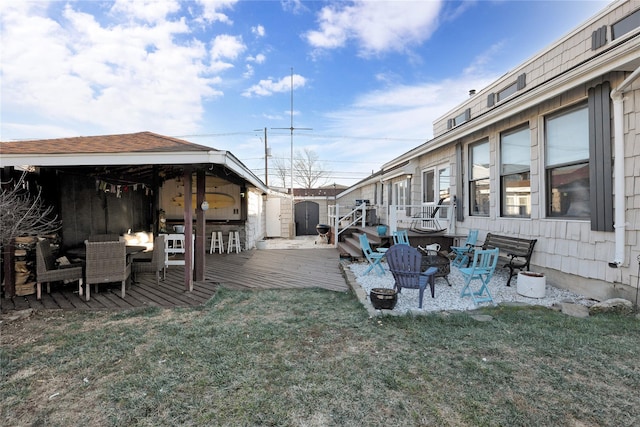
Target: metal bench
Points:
(518, 251)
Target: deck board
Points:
(252, 270)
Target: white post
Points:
(363, 209)
(393, 218)
(337, 225)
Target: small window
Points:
(479, 184)
(459, 119)
(567, 164)
(507, 92)
(625, 25)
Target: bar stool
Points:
(234, 241)
(216, 242)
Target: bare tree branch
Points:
(308, 171)
(281, 170)
(22, 214)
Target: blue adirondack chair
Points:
(463, 253)
(404, 263)
(400, 237)
(484, 265)
(372, 256)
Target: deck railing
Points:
(429, 217)
(421, 218)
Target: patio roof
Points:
(132, 155)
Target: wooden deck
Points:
(265, 269)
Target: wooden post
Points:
(9, 269)
(188, 230)
(201, 225)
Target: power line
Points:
(312, 135)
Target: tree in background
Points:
(281, 171)
(308, 171)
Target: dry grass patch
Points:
(314, 357)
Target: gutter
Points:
(617, 95)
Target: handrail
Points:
(357, 217)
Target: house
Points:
(138, 182)
(550, 150)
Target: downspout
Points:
(617, 95)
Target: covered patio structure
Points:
(135, 182)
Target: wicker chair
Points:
(150, 262)
(46, 270)
(106, 263)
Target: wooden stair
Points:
(349, 242)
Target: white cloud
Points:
(119, 78)
(225, 47)
(269, 86)
(258, 59)
(384, 124)
(146, 10)
(258, 31)
(293, 6)
(249, 71)
(211, 10)
(375, 26)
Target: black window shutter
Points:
(600, 158)
(491, 100)
(599, 37)
(522, 81)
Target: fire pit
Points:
(323, 230)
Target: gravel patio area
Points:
(447, 298)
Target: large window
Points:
(479, 179)
(436, 186)
(567, 164)
(515, 179)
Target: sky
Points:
(361, 82)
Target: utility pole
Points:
(266, 158)
(292, 225)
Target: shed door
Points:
(273, 227)
(307, 217)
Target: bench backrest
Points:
(510, 245)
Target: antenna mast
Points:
(292, 224)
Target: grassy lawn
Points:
(315, 358)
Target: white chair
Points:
(216, 242)
(234, 242)
(174, 244)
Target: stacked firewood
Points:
(25, 265)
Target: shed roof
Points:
(140, 142)
(132, 153)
